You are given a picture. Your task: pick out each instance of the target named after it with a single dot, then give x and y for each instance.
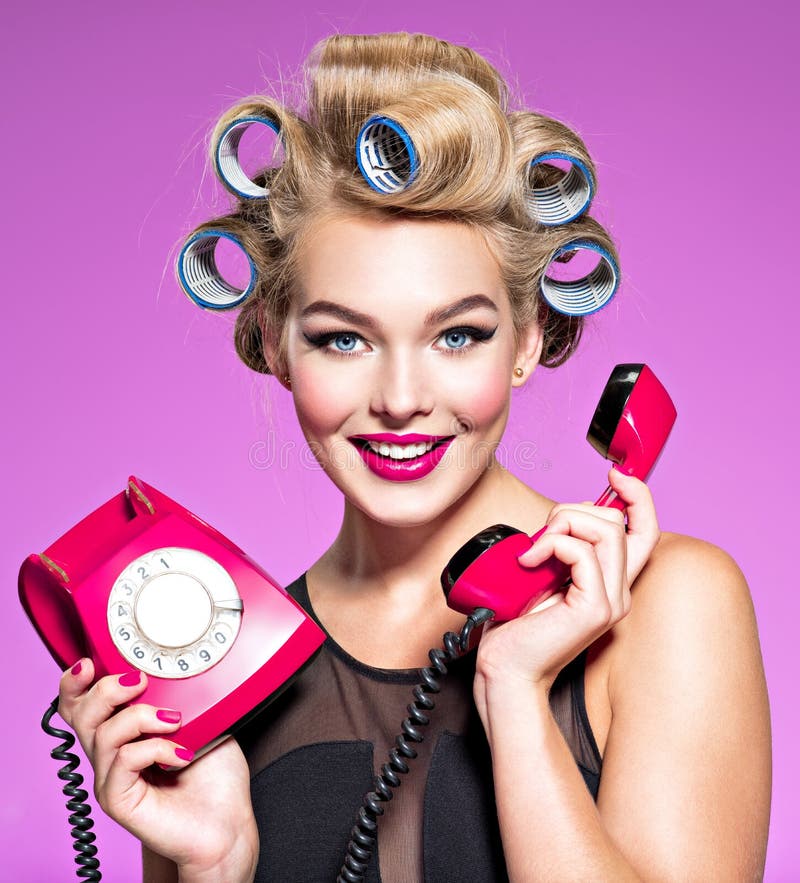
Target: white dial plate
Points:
(174, 612)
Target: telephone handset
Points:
(630, 426)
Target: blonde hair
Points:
(474, 167)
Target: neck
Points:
(387, 558)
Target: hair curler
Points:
(630, 426)
(580, 297)
(226, 157)
(567, 198)
(199, 275)
(385, 154)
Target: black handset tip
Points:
(612, 403)
(471, 551)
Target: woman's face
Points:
(400, 348)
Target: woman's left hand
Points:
(604, 561)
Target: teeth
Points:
(400, 452)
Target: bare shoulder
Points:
(691, 613)
(688, 589)
(684, 562)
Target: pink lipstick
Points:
(408, 468)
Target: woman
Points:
(401, 316)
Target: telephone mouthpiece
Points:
(485, 572)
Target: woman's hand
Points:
(201, 818)
(604, 561)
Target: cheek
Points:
(321, 402)
(484, 398)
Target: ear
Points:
(273, 359)
(529, 352)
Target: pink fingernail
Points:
(130, 679)
(168, 715)
(76, 669)
(184, 753)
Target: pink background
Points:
(110, 370)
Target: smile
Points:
(401, 457)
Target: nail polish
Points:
(76, 669)
(184, 753)
(130, 679)
(168, 715)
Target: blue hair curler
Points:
(200, 277)
(565, 200)
(385, 155)
(580, 297)
(226, 157)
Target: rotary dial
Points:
(174, 612)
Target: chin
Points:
(413, 517)
(410, 504)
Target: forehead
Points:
(375, 260)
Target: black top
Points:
(314, 752)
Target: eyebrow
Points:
(435, 317)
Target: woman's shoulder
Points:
(689, 605)
(687, 572)
(689, 711)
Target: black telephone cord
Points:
(364, 834)
(82, 835)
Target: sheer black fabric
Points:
(314, 752)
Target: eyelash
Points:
(478, 335)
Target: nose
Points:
(401, 389)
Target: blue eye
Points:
(344, 342)
(457, 339)
(462, 340)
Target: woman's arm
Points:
(685, 787)
(157, 869)
(239, 864)
(687, 768)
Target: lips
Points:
(401, 468)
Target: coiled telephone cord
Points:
(88, 865)
(364, 835)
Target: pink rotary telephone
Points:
(143, 583)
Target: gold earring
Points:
(287, 381)
(518, 372)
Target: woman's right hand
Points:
(201, 818)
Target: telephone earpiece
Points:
(630, 426)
